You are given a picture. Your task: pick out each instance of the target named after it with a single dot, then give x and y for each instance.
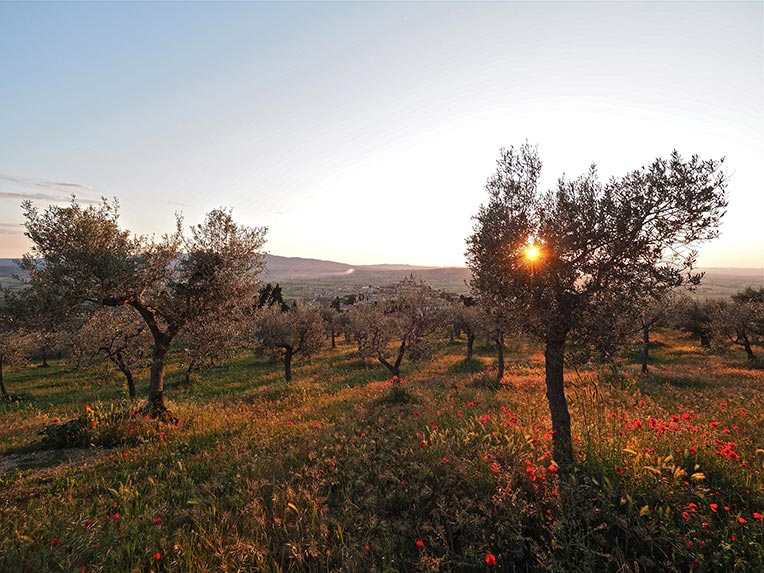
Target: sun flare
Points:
(532, 253)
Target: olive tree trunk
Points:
(3, 390)
(554, 355)
(645, 347)
(119, 359)
(470, 344)
(500, 356)
(748, 349)
(288, 354)
(156, 406)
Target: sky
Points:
(365, 132)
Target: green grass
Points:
(343, 471)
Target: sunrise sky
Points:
(364, 132)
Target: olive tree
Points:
(653, 311)
(14, 340)
(396, 326)
(118, 334)
(213, 338)
(693, 316)
(740, 320)
(555, 257)
(82, 256)
(299, 330)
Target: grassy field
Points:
(342, 471)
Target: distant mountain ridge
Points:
(301, 276)
(303, 267)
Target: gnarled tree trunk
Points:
(748, 349)
(554, 355)
(645, 347)
(3, 390)
(500, 355)
(470, 345)
(156, 407)
(288, 354)
(119, 359)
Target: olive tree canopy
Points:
(565, 260)
(83, 257)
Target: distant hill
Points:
(313, 278)
(300, 267)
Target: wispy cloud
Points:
(15, 187)
(178, 204)
(11, 228)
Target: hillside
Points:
(312, 278)
(340, 471)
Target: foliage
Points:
(333, 474)
(601, 246)
(271, 295)
(298, 331)
(116, 333)
(740, 320)
(81, 256)
(114, 424)
(397, 324)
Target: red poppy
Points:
(490, 559)
(420, 544)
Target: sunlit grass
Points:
(329, 473)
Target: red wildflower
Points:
(157, 521)
(742, 520)
(714, 507)
(56, 541)
(366, 548)
(157, 556)
(757, 515)
(490, 559)
(420, 544)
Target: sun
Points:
(532, 253)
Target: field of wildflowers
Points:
(343, 470)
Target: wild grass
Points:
(343, 470)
